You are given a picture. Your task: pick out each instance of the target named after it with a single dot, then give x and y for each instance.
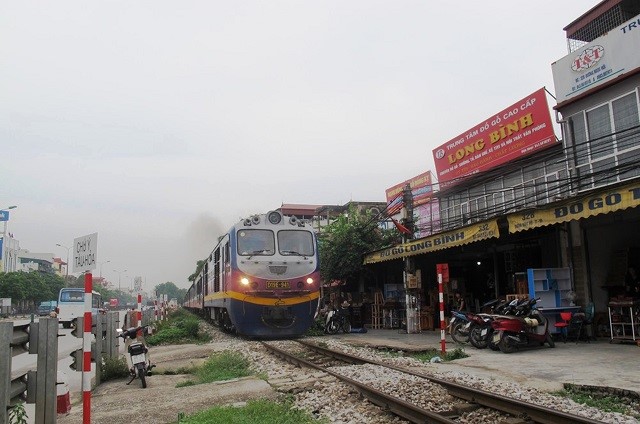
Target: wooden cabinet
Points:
(551, 285)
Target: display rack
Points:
(624, 321)
(551, 285)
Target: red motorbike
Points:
(530, 328)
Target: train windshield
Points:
(256, 242)
(295, 242)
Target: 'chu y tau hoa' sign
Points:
(85, 253)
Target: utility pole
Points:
(409, 272)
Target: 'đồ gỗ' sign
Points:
(601, 202)
(469, 234)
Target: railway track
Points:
(311, 355)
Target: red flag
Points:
(401, 227)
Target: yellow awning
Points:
(476, 232)
(604, 201)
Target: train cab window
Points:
(256, 242)
(295, 242)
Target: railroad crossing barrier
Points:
(39, 338)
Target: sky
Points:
(159, 124)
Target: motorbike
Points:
(480, 331)
(528, 328)
(141, 366)
(338, 320)
(459, 325)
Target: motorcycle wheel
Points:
(142, 373)
(346, 327)
(458, 334)
(506, 346)
(550, 341)
(476, 338)
(332, 327)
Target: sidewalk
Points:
(598, 363)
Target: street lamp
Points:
(102, 263)
(68, 248)
(119, 274)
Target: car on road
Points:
(45, 308)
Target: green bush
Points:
(17, 414)
(179, 327)
(114, 368)
(317, 328)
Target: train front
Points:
(274, 276)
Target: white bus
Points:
(71, 304)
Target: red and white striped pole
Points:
(139, 309)
(155, 309)
(443, 343)
(86, 349)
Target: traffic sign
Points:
(85, 253)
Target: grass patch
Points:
(427, 355)
(220, 366)
(179, 371)
(180, 327)
(607, 402)
(255, 412)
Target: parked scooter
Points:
(338, 320)
(459, 325)
(141, 367)
(530, 328)
(481, 332)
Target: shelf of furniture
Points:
(624, 320)
(551, 285)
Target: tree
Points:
(30, 288)
(344, 242)
(199, 266)
(171, 290)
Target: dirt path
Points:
(113, 402)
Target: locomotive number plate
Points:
(278, 285)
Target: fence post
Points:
(112, 341)
(98, 350)
(47, 376)
(6, 333)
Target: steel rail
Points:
(537, 413)
(387, 402)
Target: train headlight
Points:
(274, 217)
(244, 281)
(309, 280)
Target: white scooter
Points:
(141, 367)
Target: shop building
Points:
(515, 198)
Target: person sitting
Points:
(460, 303)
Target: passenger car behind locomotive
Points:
(261, 279)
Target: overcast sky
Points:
(159, 124)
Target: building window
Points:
(606, 142)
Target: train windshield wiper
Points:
(259, 252)
(292, 252)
